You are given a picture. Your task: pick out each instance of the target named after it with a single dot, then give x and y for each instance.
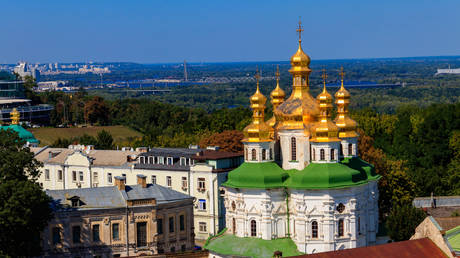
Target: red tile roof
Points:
(412, 248)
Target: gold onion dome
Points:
(257, 130)
(343, 121)
(325, 130)
(15, 116)
(300, 110)
(277, 98)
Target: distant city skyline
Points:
(227, 31)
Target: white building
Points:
(302, 184)
(196, 172)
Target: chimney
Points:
(141, 180)
(120, 182)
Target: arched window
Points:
(341, 150)
(350, 149)
(233, 206)
(314, 229)
(233, 226)
(271, 153)
(293, 149)
(359, 225)
(314, 154)
(253, 228)
(253, 154)
(332, 154)
(321, 154)
(340, 228)
(246, 152)
(264, 155)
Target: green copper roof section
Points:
(23, 133)
(257, 175)
(251, 247)
(349, 172)
(453, 236)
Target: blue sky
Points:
(154, 31)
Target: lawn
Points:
(47, 135)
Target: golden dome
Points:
(325, 130)
(300, 109)
(15, 116)
(277, 98)
(343, 121)
(257, 130)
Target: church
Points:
(302, 187)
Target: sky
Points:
(155, 31)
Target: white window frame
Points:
(109, 178)
(201, 184)
(202, 204)
(81, 176)
(168, 181)
(202, 226)
(47, 174)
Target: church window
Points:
(314, 154)
(246, 152)
(264, 154)
(341, 150)
(340, 227)
(271, 153)
(253, 154)
(332, 154)
(340, 207)
(321, 154)
(350, 149)
(233, 206)
(76, 232)
(233, 226)
(293, 149)
(314, 229)
(359, 225)
(56, 235)
(253, 228)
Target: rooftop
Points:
(412, 248)
(251, 247)
(110, 197)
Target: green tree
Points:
(86, 139)
(104, 140)
(403, 220)
(97, 111)
(24, 208)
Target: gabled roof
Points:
(412, 248)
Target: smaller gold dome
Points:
(343, 121)
(277, 95)
(15, 116)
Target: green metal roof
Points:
(251, 247)
(453, 236)
(23, 133)
(349, 172)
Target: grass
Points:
(47, 135)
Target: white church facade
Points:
(302, 179)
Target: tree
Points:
(97, 111)
(403, 220)
(24, 208)
(104, 140)
(227, 141)
(86, 139)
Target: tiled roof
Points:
(160, 193)
(448, 223)
(171, 152)
(423, 247)
(440, 201)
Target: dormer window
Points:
(75, 201)
(151, 160)
(169, 161)
(183, 161)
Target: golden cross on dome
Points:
(299, 30)
(342, 73)
(324, 76)
(257, 76)
(277, 74)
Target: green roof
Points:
(23, 133)
(252, 247)
(349, 172)
(453, 236)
